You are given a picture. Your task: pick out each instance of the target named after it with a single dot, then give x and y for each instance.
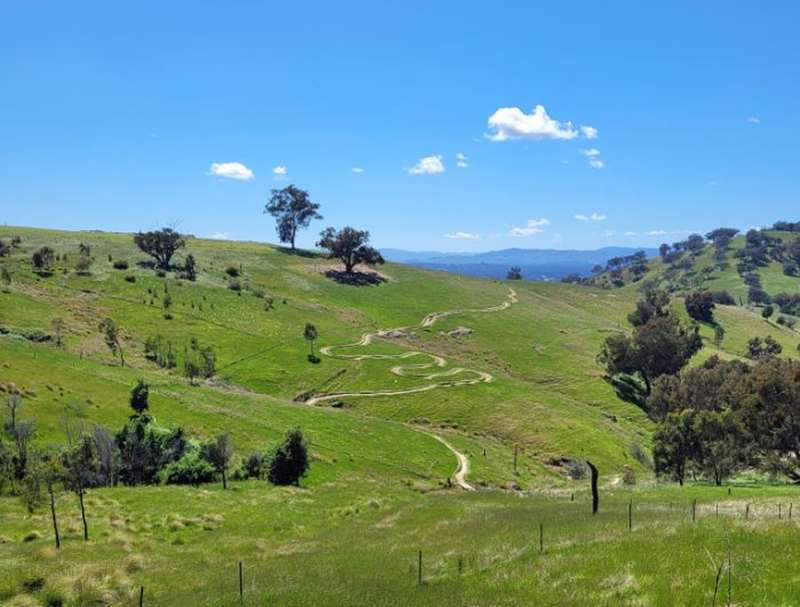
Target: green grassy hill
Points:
(377, 466)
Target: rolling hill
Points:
(418, 374)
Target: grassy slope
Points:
(363, 503)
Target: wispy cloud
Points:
(429, 165)
(593, 155)
(656, 233)
(531, 227)
(461, 161)
(593, 217)
(630, 233)
(357, 170)
(513, 123)
(279, 172)
(462, 236)
(754, 120)
(231, 170)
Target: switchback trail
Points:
(463, 463)
(457, 376)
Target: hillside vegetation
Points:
(505, 372)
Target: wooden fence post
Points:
(747, 512)
(694, 510)
(419, 568)
(541, 538)
(141, 596)
(241, 583)
(595, 495)
(630, 515)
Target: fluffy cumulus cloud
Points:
(462, 162)
(531, 227)
(279, 172)
(357, 170)
(593, 217)
(462, 236)
(429, 165)
(513, 123)
(231, 170)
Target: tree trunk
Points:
(595, 495)
(224, 480)
(83, 516)
(53, 514)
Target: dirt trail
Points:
(457, 376)
(463, 464)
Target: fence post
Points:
(141, 596)
(460, 565)
(630, 515)
(515, 459)
(716, 506)
(780, 513)
(241, 583)
(694, 510)
(419, 568)
(747, 512)
(790, 510)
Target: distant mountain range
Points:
(536, 264)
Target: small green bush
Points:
(191, 469)
(120, 264)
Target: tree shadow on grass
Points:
(355, 279)
(296, 252)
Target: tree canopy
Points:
(350, 246)
(161, 245)
(292, 209)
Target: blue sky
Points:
(115, 114)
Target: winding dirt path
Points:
(457, 376)
(463, 464)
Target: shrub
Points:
(43, 260)
(253, 466)
(130, 278)
(159, 350)
(161, 273)
(232, 271)
(140, 394)
(289, 462)
(700, 306)
(235, 285)
(190, 469)
(767, 311)
(723, 298)
(120, 264)
(787, 321)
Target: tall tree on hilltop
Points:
(161, 245)
(292, 209)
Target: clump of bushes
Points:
(120, 264)
(235, 285)
(232, 271)
(130, 278)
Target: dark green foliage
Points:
(660, 344)
(161, 245)
(310, 335)
(700, 306)
(514, 273)
(140, 394)
(120, 264)
(289, 462)
(5, 249)
(788, 303)
(232, 271)
(190, 268)
(350, 246)
(253, 466)
(218, 453)
(111, 336)
(43, 260)
(146, 449)
(767, 311)
(630, 389)
(293, 210)
(760, 349)
(84, 265)
(721, 237)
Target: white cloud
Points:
(596, 163)
(461, 161)
(630, 233)
(512, 123)
(231, 170)
(220, 236)
(593, 217)
(589, 132)
(532, 226)
(590, 152)
(656, 233)
(593, 154)
(279, 171)
(429, 165)
(462, 236)
(357, 170)
(754, 120)
(608, 233)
